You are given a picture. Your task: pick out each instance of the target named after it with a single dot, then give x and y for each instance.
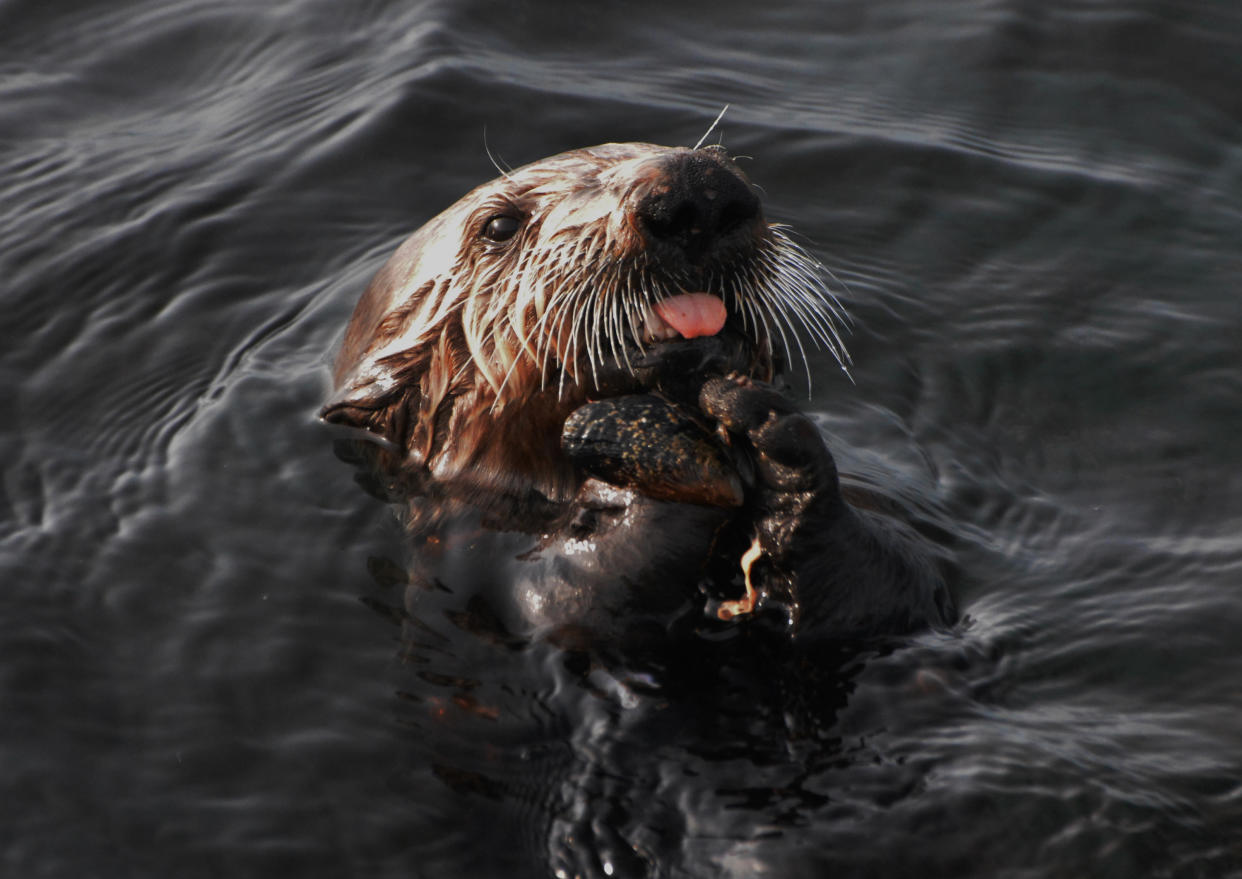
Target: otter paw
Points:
(740, 403)
(790, 452)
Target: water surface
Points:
(1034, 213)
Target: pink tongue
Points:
(692, 314)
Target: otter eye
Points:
(501, 227)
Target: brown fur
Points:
(467, 354)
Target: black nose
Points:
(698, 204)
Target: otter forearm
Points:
(848, 573)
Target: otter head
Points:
(530, 295)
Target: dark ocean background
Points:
(1033, 211)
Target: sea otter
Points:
(569, 373)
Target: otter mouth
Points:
(769, 294)
(676, 342)
(686, 316)
(676, 362)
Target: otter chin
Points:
(570, 372)
(550, 286)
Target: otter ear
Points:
(382, 415)
(350, 413)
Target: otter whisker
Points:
(800, 264)
(784, 233)
(606, 304)
(622, 316)
(570, 355)
(566, 304)
(632, 307)
(514, 359)
(712, 127)
(811, 311)
(775, 318)
(762, 328)
(790, 295)
(518, 325)
(597, 328)
(821, 327)
(588, 320)
(573, 312)
(742, 302)
(782, 320)
(811, 321)
(799, 290)
(795, 262)
(554, 313)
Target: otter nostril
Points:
(698, 202)
(736, 214)
(676, 223)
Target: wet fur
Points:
(468, 354)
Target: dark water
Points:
(1034, 211)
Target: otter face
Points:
(527, 297)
